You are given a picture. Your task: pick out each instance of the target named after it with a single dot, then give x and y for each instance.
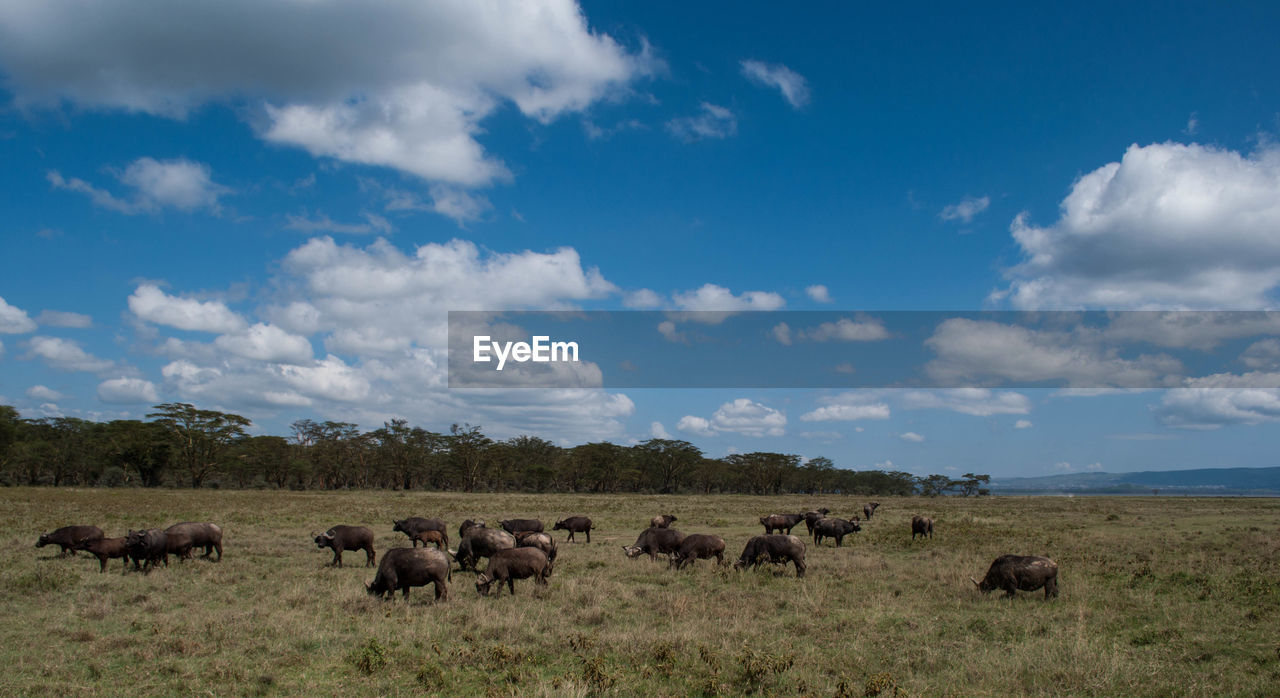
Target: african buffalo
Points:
(483, 542)
(774, 548)
(575, 524)
(466, 527)
(510, 565)
(782, 522)
(1025, 572)
(813, 517)
(106, 549)
(921, 526)
(341, 538)
(870, 509)
(654, 541)
(402, 568)
(414, 525)
(541, 541)
(662, 521)
(834, 528)
(147, 546)
(429, 536)
(698, 546)
(183, 537)
(514, 526)
(70, 538)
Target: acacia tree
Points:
(669, 459)
(200, 437)
(467, 446)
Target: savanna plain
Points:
(1159, 596)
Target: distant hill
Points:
(1202, 481)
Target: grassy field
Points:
(1160, 596)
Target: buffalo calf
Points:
(510, 565)
(106, 549)
(921, 526)
(575, 524)
(698, 546)
(340, 538)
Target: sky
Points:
(270, 207)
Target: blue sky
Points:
(269, 210)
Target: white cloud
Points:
(713, 297)
(667, 329)
(980, 402)
(1193, 125)
(794, 88)
(863, 329)
(911, 436)
(1063, 466)
(123, 391)
(1169, 226)
(57, 318)
(657, 431)
(14, 320)
(846, 413)
(404, 85)
(782, 333)
(373, 223)
(697, 426)
(1223, 399)
(713, 121)
(741, 416)
(1263, 355)
(267, 343)
(641, 299)
(65, 355)
(157, 184)
(966, 209)
(151, 304)
(40, 392)
(1094, 467)
(818, 293)
(456, 203)
(1022, 424)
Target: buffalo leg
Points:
(337, 556)
(369, 554)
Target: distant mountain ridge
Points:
(1207, 481)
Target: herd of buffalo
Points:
(521, 549)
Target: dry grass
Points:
(1159, 597)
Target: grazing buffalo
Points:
(921, 526)
(184, 537)
(514, 526)
(465, 529)
(510, 565)
(482, 542)
(834, 528)
(1025, 572)
(70, 538)
(777, 549)
(653, 541)
(698, 546)
(783, 523)
(575, 524)
(662, 521)
(147, 546)
(869, 509)
(341, 538)
(414, 525)
(813, 517)
(402, 568)
(541, 541)
(429, 536)
(106, 549)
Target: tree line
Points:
(181, 445)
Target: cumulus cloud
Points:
(782, 333)
(713, 121)
(1168, 226)
(792, 85)
(57, 318)
(124, 391)
(846, 413)
(65, 355)
(911, 436)
(14, 320)
(642, 299)
(267, 343)
(1212, 402)
(373, 223)
(40, 392)
(151, 304)
(980, 402)
(818, 293)
(965, 210)
(408, 90)
(864, 329)
(156, 184)
(713, 297)
(742, 416)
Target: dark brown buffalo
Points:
(776, 549)
(698, 546)
(1024, 572)
(510, 565)
(813, 517)
(70, 538)
(482, 542)
(541, 541)
(414, 525)
(340, 538)
(654, 541)
(429, 536)
(106, 549)
(183, 537)
(921, 526)
(147, 546)
(869, 509)
(575, 524)
(465, 528)
(662, 521)
(514, 526)
(783, 523)
(402, 568)
(834, 528)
